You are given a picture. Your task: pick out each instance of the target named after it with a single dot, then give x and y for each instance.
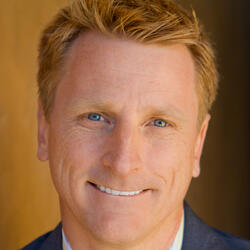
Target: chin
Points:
(116, 229)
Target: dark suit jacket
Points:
(197, 236)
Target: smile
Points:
(116, 192)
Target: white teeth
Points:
(115, 192)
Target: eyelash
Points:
(94, 114)
(161, 120)
(166, 124)
(87, 116)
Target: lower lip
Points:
(118, 196)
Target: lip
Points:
(93, 185)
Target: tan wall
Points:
(28, 202)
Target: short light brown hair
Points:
(145, 21)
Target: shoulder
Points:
(199, 236)
(50, 240)
(37, 243)
(231, 241)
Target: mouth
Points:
(116, 192)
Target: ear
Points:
(42, 135)
(199, 145)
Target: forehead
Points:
(101, 68)
(136, 57)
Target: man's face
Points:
(124, 118)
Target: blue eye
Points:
(94, 117)
(160, 123)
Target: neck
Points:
(160, 238)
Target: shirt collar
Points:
(176, 245)
(66, 245)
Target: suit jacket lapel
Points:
(54, 240)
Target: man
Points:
(125, 89)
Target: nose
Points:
(123, 151)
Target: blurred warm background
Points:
(28, 202)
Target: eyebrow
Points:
(91, 104)
(167, 112)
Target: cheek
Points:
(71, 155)
(172, 160)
